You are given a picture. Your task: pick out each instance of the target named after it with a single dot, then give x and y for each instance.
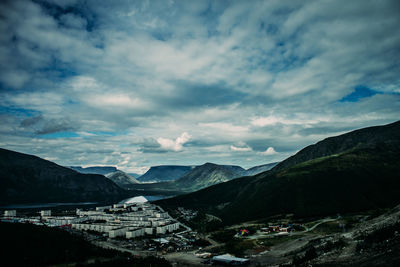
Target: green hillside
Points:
(361, 178)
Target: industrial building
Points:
(227, 259)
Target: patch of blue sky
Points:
(103, 133)
(58, 69)
(162, 35)
(269, 28)
(359, 93)
(59, 135)
(20, 112)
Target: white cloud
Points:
(240, 149)
(270, 151)
(264, 121)
(302, 119)
(114, 100)
(174, 145)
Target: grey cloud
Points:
(54, 126)
(40, 125)
(149, 145)
(31, 121)
(192, 95)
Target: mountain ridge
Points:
(206, 175)
(164, 173)
(103, 170)
(26, 178)
(363, 177)
(121, 178)
(360, 138)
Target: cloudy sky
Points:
(141, 83)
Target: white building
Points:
(168, 228)
(117, 232)
(103, 208)
(149, 230)
(45, 213)
(135, 232)
(64, 220)
(10, 213)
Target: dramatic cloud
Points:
(141, 83)
(174, 145)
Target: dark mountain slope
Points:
(26, 178)
(103, 170)
(164, 173)
(362, 178)
(121, 178)
(259, 169)
(362, 138)
(206, 175)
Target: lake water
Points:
(149, 198)
(53, 205)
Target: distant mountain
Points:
(134, 175)
(164, 173)
(259, 169)
(348, 173)
(206, 175)
(29, 179)
(121, 178)
(103, 170)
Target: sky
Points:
(135, 84)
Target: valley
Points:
(334, 203)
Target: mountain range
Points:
(29, 179)
(356, 171)
(206, 175)
(192, 178)
(195, 177)
(103, 170)
(117, 176)
(164, 173)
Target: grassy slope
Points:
(355, 180)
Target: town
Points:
(127, 220)
(140, 228)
